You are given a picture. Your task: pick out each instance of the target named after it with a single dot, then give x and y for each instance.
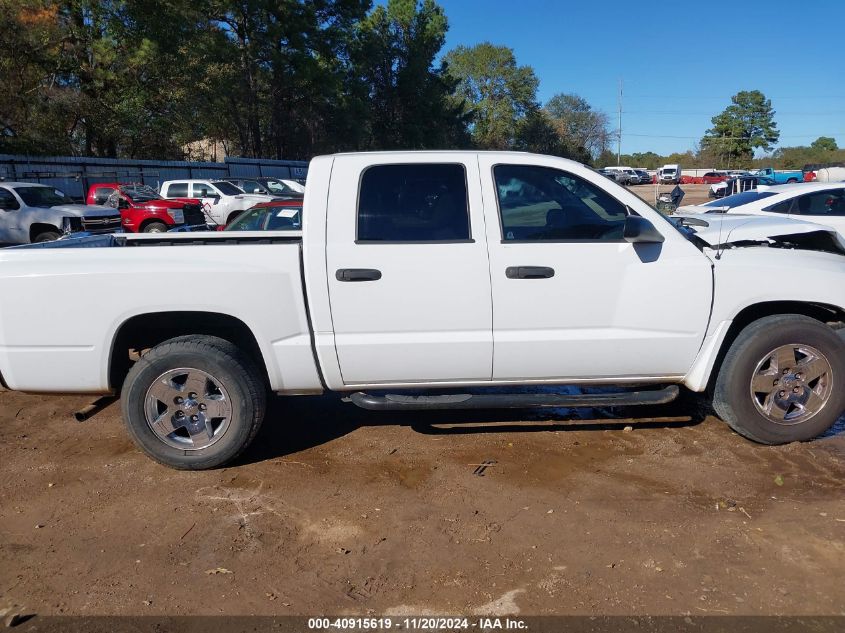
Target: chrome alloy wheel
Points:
(187, 408)
(792, 384)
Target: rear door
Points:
(571, 298)
(408, 274)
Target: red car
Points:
(276, 215)
(142, 210)
(712, 177)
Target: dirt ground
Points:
(693, 194)
(337, 511)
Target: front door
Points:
(409, 283)
(571, 298)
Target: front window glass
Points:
(42, 196)
(178, 190)
(251, 186)
(541, 203)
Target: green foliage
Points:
(266, 78)
(746, 124)
(409, 104)
(499, 92)
(824, 144)
(582, 129)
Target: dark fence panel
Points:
(74, 175)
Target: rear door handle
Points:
(358, 274)
(529, 272)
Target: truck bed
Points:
(58, 323)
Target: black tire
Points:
(791, 180)
(155, 227)
(229, 366)
(46, 236)
(732, 397)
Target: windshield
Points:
(42, 196)
(268, 219)
(669, 170)
(227, 188)
(738, 199)
(139, 193)
(288, 187)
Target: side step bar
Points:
(396, 402)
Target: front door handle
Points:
(358, 274)
(529, 272)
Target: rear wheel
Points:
(193, 402)
(155, 227)
(782, 380)
(791, 180)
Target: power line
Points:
(734, 138)
(778, 113)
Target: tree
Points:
(584, 130)
(748, 123)
(498, 91)
(406, 98)
(824, 144)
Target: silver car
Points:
(32, 213)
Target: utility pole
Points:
(619, 138)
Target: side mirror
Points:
(122, 204)
(638, 230)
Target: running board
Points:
(395, 402)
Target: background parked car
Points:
(669, 175)
(36, 213)
(712, 177)
(823, 203)
(221, 200)
(283, 187)
(279, 215)
(738, 184)
(143, 210)
(645, 177)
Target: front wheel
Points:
(782, 380)
(155, 227)
(193, 402)
(46, 236)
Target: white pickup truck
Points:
(222, 201)
(418, 280)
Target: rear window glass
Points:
(413, 203)
(739, 199)
(178, 190)
(227, 188)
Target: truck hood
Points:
(167, 203)
(86, 210)
(734, 230)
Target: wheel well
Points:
(149, 221)
(37, 228)
(144, 331)
(233, 216)
(825, 313)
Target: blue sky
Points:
(679, 61)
